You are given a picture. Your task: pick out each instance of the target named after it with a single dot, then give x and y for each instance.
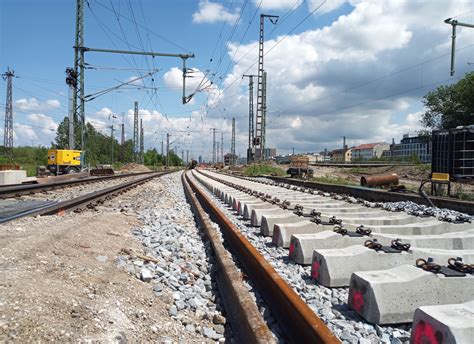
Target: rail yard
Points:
(212, 256)
(252, 171)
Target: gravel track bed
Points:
(184, 271)
(330, 304)
(77, 190)
(409, 207)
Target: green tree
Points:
(61, 140)
(450, 106)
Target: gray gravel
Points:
(77, 189)
(330, 304)
(185, 263)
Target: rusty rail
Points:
(60, 208)
(297, 320)
(246, 321)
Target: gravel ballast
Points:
(183, 271)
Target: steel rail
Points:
(242, 312)
(61, 207)
(27, 189)
(294, 316)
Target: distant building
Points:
(341, 155)
(228, 159)
(412, 146)
(200, 159)
(270, 153)
(368, 151)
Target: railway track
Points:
(348, 265)
(13, 209)
(17, 190)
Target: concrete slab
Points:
(268, 221)
(430, 226)
(392, 296)
(452, 323)
(9, 177)
(333, 267)
(257, 214)
(282, 232)
(247, 213)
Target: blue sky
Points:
(352, 68)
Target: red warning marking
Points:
(424, 334)
(315, 269)
(292, 248)
(357, 300)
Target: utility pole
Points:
(454, 23)
(232, 143)
(259, 140)
(162, 146)
(182, 156)
(142, 143)
(79, 63)
(167, 149)
(344, 149)
(112, 144)
(213, 145)
(222, 148)
(71, 81)
(217, 153)
(135, 133)
(8, 131)
(264, 114)
(251, 117)
(187, 156)
(79, 66)
(122, 143)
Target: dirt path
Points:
(59, 281)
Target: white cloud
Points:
(33, 104)
(277, 5)
(198, 82)
(54, 103)
(325, 83)
(212, 12)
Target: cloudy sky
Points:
(355, 68)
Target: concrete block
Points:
(247, 213)
(452, 323)
(257, 214)
(9, 177)
(392, 296)
(282, 232)
(268, 221)
(333, 267)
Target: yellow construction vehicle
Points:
(64, 161)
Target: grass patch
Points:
(328, 179)
(256, 169)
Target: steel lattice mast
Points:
(232, 144)
(142, 143)
(222, 148)
(78, 91)
(8, 131)
(250, 152)
(213, 145)
(135, 133)
(259, 140)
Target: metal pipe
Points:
(380, 180)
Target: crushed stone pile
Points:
(132, 167)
